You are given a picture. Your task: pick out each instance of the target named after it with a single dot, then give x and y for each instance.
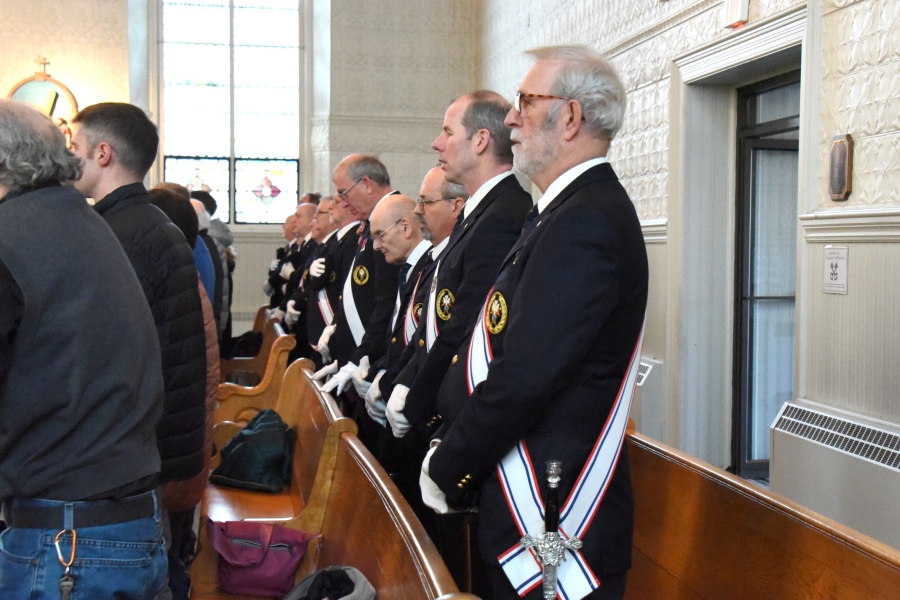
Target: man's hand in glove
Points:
(432, 495)
(317, 267)
(394, 412)
(291, 316)
(375, 405)
(359, 377)
(322, 346)
(341, 380)
(325, 371)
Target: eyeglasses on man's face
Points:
(343, 195)
(421, 200)
(380, 236)
(517, 104)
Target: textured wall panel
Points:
(853, 341)
(394, 68)
(85, 41)
(861, 97)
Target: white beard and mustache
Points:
(535, 154)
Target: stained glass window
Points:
(206, 174)
(231, 85)
(265, 190)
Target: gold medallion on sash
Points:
(417, 311)
(443, 304)
(496, 313)
(360, 275)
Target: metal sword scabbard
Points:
(550, 548)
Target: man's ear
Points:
(103, 152)
(573, 119)
(482, 140)
(458, 204)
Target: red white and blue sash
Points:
(325, 307)
(431, 330)
(520, 485)
(410, 322)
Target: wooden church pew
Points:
(703, 534)
(351, 501)
(319, 425)
(370, 526)
(241, 403)
(249, 371)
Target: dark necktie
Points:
(459, 220)
(401, 275)
(530, 218)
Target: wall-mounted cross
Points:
(42, 60)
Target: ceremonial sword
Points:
(550, 548)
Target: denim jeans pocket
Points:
(125, 561)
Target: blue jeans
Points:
(126, 561)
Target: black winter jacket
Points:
(164, 264)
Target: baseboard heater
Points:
(844, 466)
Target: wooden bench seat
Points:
(349, 499)
(368, 525)
(704, 534)
(241, 403)
(241, 367)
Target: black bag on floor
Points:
(259, 456)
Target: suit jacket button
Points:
(341, 297)
(421, 343)
(455, 358)
(393, 340)
(459, 485)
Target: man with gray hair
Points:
(575, 285)
(81, 386)
(473, 151)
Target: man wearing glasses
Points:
(369, 288)
(473, 151)
(553, 360)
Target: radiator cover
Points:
(843, 466)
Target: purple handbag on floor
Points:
(257, 559)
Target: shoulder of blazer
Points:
(602, 175)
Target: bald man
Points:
(436, 211)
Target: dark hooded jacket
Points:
(164, 264)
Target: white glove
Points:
(317, 267)
(267, 289)
(274, 265)
(340, 381)
(375, 405)
(325, 371)
(291, 315)
(286, 270)
(394, 412)
(432, 495)
(322, 346)
(359, 377)
(274, 313)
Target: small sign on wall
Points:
(836, 265)
(736, 13)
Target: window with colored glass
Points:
(231, 104)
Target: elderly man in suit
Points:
(549, 370)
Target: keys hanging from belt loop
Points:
(66, 582)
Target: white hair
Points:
(32, 149)
(586, 76)
(203, 217)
